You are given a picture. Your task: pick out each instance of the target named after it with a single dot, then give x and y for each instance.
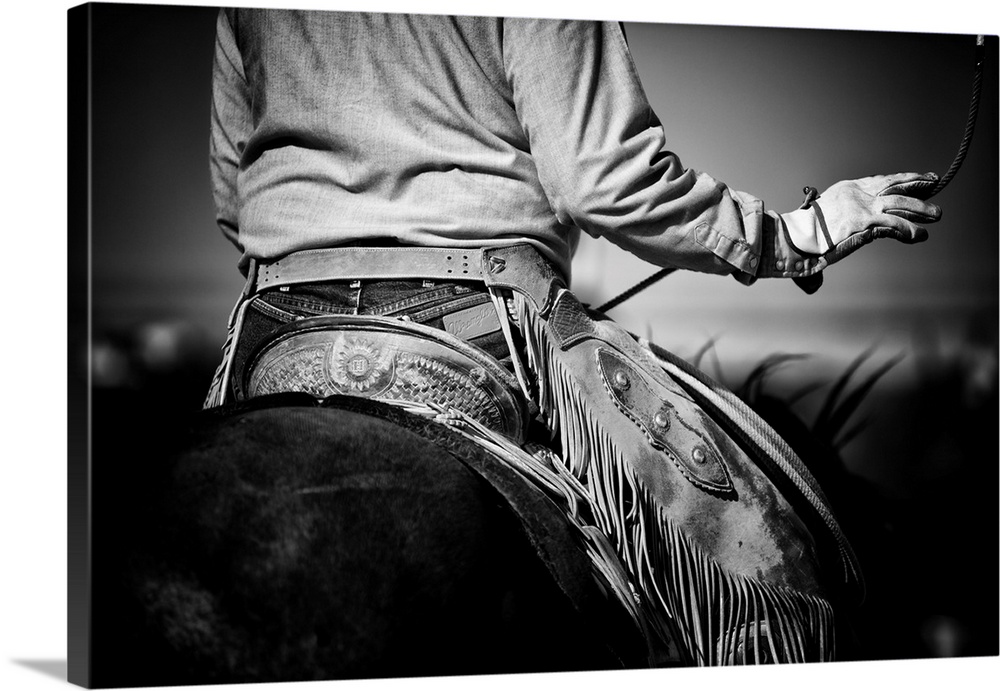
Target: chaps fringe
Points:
(685, 597)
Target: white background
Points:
(33, 480)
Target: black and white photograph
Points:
(426, 344)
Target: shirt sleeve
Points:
(602, 158)
(230, 127)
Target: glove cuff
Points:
(780, 257)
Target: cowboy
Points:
(333, 129)
(404, 186)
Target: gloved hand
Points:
(852, 213)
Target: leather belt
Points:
(360, 263)
(518, 267)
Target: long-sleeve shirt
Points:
(334, 127)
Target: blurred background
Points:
(768, 111)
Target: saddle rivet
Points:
(478, 375)
(621, 381)
(660, 419)
(497, 265)
(698, 454)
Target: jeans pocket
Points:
(320, 301)
(392, 301)
(433, 314)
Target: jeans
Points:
(423, 302)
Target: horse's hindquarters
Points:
(315, 543)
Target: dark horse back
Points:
(283, 540)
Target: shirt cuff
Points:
(762, 248)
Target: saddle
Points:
(697, 517)
(388, 360)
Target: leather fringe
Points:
(714, 617)
(546, 471)
(758, 434)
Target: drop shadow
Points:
(51, 668)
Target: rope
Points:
(970, 126)
(638, 287)
(970, 123)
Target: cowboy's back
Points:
(333, 128)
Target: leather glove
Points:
(852, 213)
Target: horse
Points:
(291, 536)
(287, 538)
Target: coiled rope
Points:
(963, 149)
